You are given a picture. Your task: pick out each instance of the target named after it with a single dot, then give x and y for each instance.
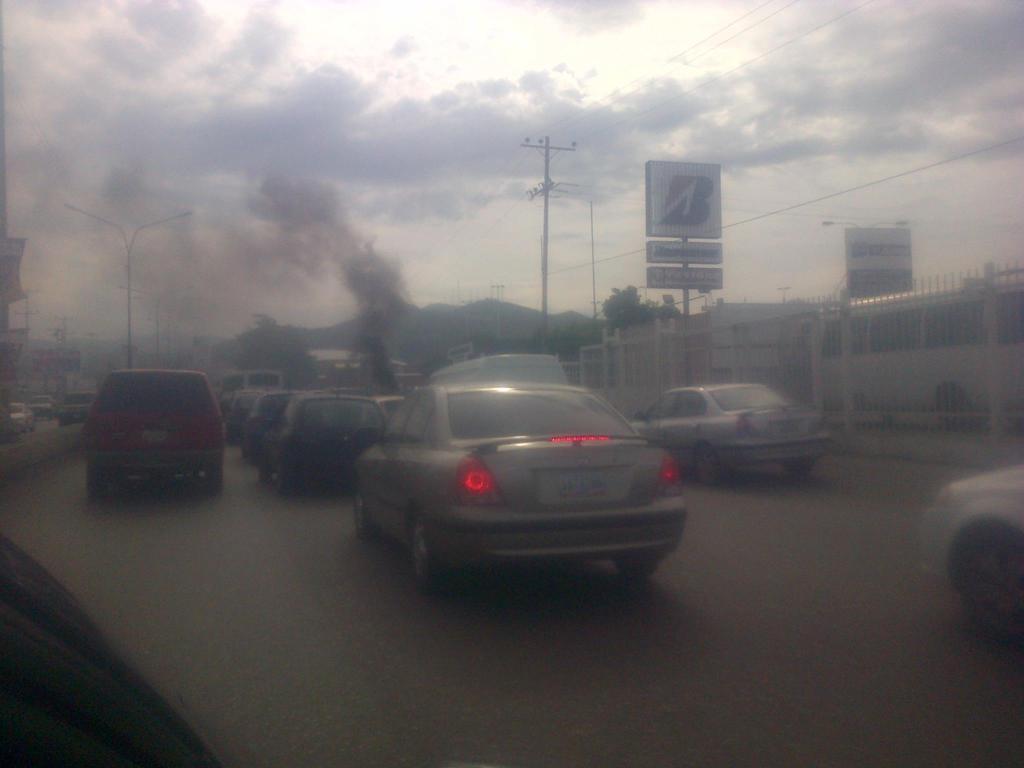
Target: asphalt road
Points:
(791, 628)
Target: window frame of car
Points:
(679, 410)
(663, 406)
(395, 425)
(423, 402)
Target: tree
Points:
(625, 308)
(565, 340)
(277, 347)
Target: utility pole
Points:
(593, 264)
(544, 188)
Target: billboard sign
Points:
(683, 199)
(680, 252)
(878, 261)
(709, 278)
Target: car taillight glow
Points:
(475, 482)
(578, 438)
(669, 476)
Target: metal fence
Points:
(946, 356)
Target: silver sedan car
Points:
(477, 474)
(722, 426)
(974, 535)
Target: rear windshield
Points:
(272, 405)
(743, 398)
(154, 392)
(79, 399)
(345, 415)
(531, 414)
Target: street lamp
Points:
(129, 244)
(784, 289)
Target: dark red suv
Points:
(153, 423)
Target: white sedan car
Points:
(974, 533)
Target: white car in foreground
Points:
(974, 533)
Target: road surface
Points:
(791, 628)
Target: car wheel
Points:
(424, 564)
(707, 465)
(991, 581)
(799, 468)
(637, 569)
(366, 529)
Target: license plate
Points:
(154, 436)
(582, 485)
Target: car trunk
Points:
(155, 431)
(778, 423)
(546, 476)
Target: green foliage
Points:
(625, 308)
(277, 347)
(565, 341)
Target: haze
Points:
(298, 132)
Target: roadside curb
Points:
(18, 457)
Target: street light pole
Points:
(129, 245)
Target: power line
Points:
(757, 23)
(645, 80)
(737, 68)
(876, 182)
(786, 209)
(717, 32)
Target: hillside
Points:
(426, 333)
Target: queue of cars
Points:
(469, 470)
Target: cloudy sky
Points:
(299, 132)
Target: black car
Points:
(319, 437)
(235, 416)
(74, 408)
(265, 413)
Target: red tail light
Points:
(475, 483)
(578, 438)
(744, 427)
(670, 480)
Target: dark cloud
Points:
(403, 47)
(124, 186)
(295, 204)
